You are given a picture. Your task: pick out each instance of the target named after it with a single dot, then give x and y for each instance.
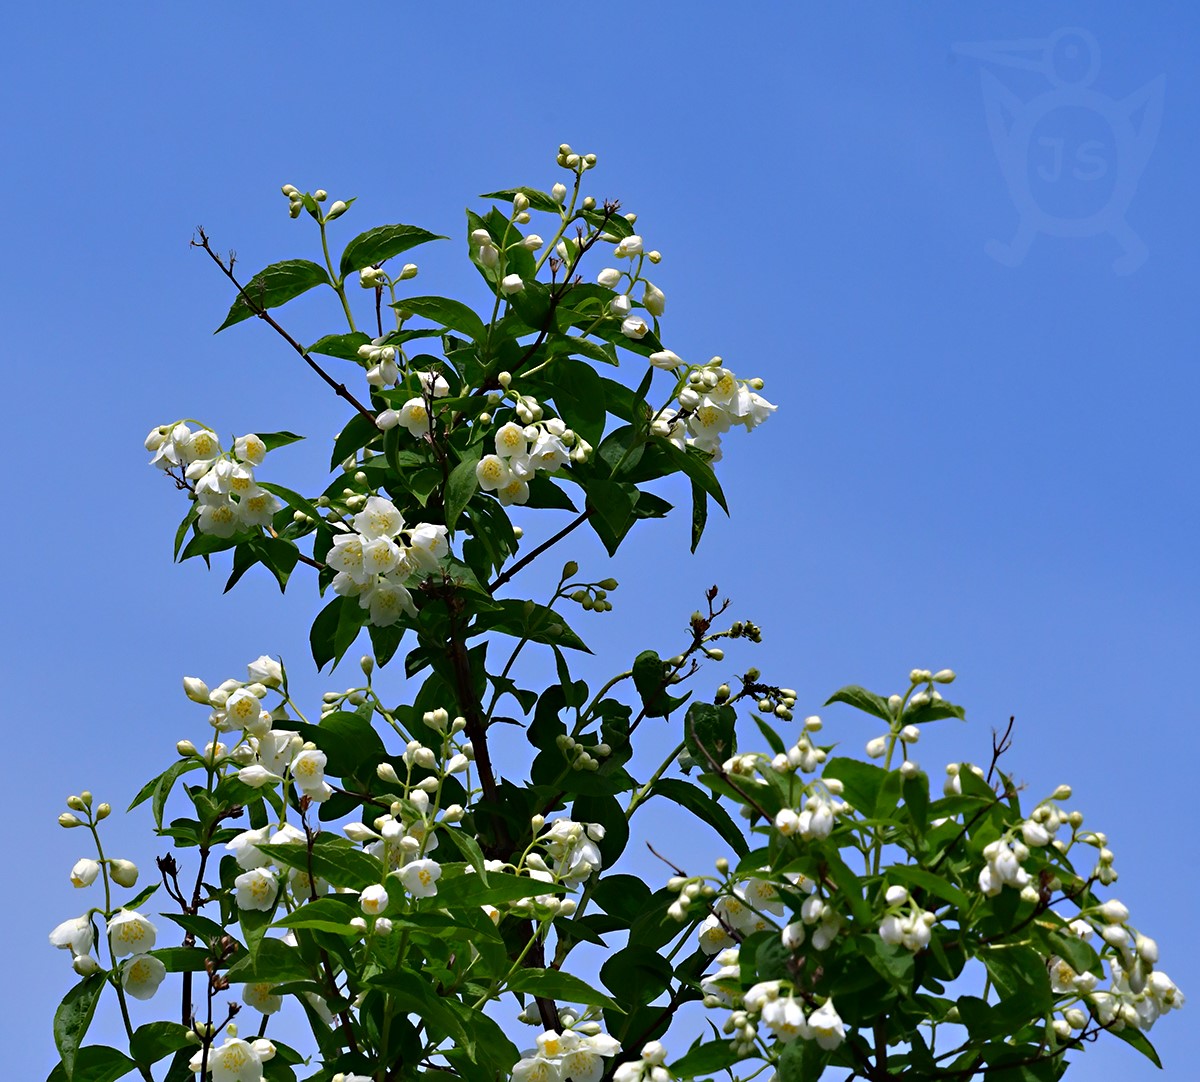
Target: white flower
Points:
(510, 284)
(388, 600)
(265, 670)
(244, 711)
(84, 872)
(511, 440)
(583, 1063)
(256, 889)
(537, 1069)
(75, 935)
(308, 772)
(420, 877)
(218, 518)
(415, 417)
(427, 545)
(826, 1026)
(244, 848)
(785, 1018)
(142, 975)
(493, 473)
(373, 900)
(257, 994)
(432, 383)
(712, 936)
(256, 776)
(257, 507)
(666, 360)
(346, 555)
(201, 446)
(654, 300)
(236, 1060)
(378, 518)
(628, 247)
(634, 327)
(387, 419)
(620, 306)
(877, 747)
(130, 933)
(381, 555)
(609, 277)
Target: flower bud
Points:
(336, 210)
(85, 965)
(387, 773)
(654, 256)
(609, 277)
(654, 299)
(124, 872)
(84, 872)
(68, 820)
(520, 202)
(944, 676)
(409, 270)
(1063, 792)
(320, 195)
(510, 284)
(666, 360)
(877, 747)
(195, 689)
(559, 193)
(76, 803)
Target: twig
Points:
(999, 747)
(501, 579)
(257, 308)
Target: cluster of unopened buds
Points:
(378, 278)
(130, 935)
(804, 755)
(296, 203)
(711, 400)
(592, 596)
(905, 924)
(525, 446)
(375, 558)
(907, 735)
(816, 816)
(222, 483)
(621, 307)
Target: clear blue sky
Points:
(984, 456)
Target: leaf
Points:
(537, 200)
(636, 975)
(579, 397)
(341, 866)
(554, 984)
(935, 710)
(704, 807)
(862, 699)
(357, 433)
(801, 1061)
(707, 1058)
(95, 1063)
(650, 677)
(349, 741)
(460, 487)
(272, 961)
(862, 782)
(708, 732)
(449, 313)
(273, 286)
(613, 503)
(1141, 1042)
(380, 243)
(344, 346)
(73, 1017)
(1019, 973)
(698, 466)
(181, 959)
(935, 884)
(773, 739)
(272, 440)
(166, 781)
(699, 514)
(155, 1040)
(528, 620)
(330, 914)
(848, 885)
(470, 891)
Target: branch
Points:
(501, 579)
(338, 388)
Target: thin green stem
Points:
(338, 286)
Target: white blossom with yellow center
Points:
(130, 933)
(142, 975)
(256, 889)
(420, 877)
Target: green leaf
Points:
(342, 866)
(155, 1040)
(537, 200)
(801, 1061)
(708, 732)
(636, 976)
(273, 440)
(935, 710)
(1019, 973)
(451, 314)
(650, 677)
(707, 1058)
(862, 699)
(938, 886)
(166, 781)
(579, 396)
(862, 782)
(704, 807)
(773, 739)
(344, 346)
(848, 884)
(349, 741)
(612, 503)
(330, 914)
(699, 514)
(181, 959)
(471, 891)
(273, 961)
(73, 1017)
(95, 1063)
(380, 243)
(528, 620)
(357, 433)
(273, 286)
(460, 487)
(698, 466)
(334, 630)
(554, 984)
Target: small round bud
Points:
(68, 820)
(76, 803)
(124, 872)
(715, 652)
(570, 568)
(336, 210)
(722, 866)
(85, 965)
(320, 195)
(185, 748)
(537, 822)
(195, 689)
(944, 676)
(589, 203)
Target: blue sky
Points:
(978, 462)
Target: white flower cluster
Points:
(413, 415)
(223, 482)
(784, 1016)
(257, 888)
(374, 559)
(711, 401)
(130, 935)
(575, 1053)
(650, 1065)
(654, 301)
(523, 449)
(816, 818)
(235, 1060)
(905, 924)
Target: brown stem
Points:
(255, 307)
(579, 520)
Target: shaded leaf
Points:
(273, 286)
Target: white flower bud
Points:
(559, 193)
(195, 689)
(609, 277)
(510, 284)
(185, 748)
(944, 676)
(877, 747)
(336, 210)
(666, 360)
(654, 299)
(532, 242)
(409, 270)
(910, 734)
(124, 872)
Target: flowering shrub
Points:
(368, 868)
